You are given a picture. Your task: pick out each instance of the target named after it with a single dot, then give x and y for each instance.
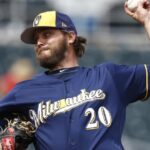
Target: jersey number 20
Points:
(104, 117)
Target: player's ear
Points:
(71, 37)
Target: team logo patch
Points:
(37, 20)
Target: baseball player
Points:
(72, 107)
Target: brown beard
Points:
(57, 56)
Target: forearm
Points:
(147, 27)
(141, 14)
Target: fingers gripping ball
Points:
(17, 135)
(132, 5)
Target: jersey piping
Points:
(146, 73)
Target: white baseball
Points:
(133, 4)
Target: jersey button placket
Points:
(72, 142)
(72, 139)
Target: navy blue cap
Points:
(51, 19)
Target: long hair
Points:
(79, 46)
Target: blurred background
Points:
(112, 36)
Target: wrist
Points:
(147, 27)
(147, 23)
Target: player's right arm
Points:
(17, 132)
(9, 105)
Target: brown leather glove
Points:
(17, 135)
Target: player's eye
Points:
(47, 34)
(43, 34)
(35, 39)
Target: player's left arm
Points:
(138, 81)
(131, 81)
(147, 81)
(141, 14)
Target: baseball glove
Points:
(17, 135)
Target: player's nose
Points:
(40, 41)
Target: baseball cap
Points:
(50, 19)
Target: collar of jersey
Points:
(62, 70)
